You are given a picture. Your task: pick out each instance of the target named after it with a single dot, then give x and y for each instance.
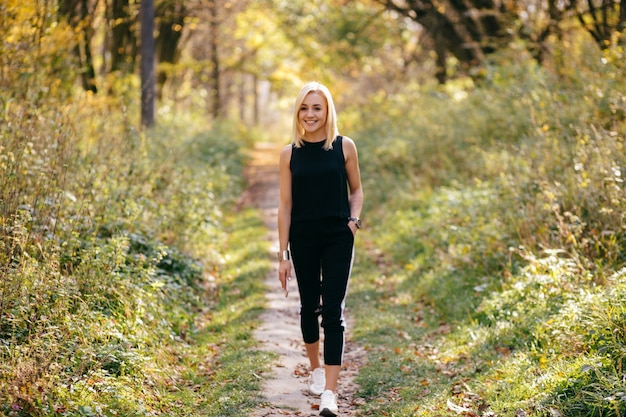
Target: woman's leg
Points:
(332, 377)
(337, 262)
(313, 353)
(306, 254)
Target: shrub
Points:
(499, 216)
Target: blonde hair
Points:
(331, 117)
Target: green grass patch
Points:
(496, 243)
(219, 372)
(128, 285)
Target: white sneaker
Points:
(328, 404)
(317, 381)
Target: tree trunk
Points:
(214, 80)
(123, 43)
(242, 98)
(466, 29)
(621, 24)
(147, 63)
(171, 18)
(77, 14)
(255, 94)
(603, 26)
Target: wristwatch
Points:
(356, 221)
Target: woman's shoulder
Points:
(347, 143)
(285, 152)
(346, 139)
(349, 149)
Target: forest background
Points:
(491, 138)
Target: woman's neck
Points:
(314, 138)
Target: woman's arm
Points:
(284, 215)
(354, 179)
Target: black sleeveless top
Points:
(319, 183)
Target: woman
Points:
(318, 217)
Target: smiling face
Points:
(312, 117)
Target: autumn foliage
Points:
(490, 271)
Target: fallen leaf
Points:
(457, 408)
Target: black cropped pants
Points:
(323, 252)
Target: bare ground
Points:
(285, 390)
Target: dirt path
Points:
(285, 390)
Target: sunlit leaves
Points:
(345, 37)
(33, 51)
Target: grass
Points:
(490, 288)
(130, 287)
(221, 368)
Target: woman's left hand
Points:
(352, 227)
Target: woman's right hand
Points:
(284, 275)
